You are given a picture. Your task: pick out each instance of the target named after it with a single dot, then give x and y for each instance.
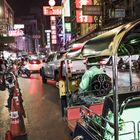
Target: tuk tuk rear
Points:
(118, 119)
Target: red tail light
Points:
(34, 62)
(70, 65)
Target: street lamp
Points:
(51, 3)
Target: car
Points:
(50, 69)
(34, 65)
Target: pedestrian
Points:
(10, 84)
(87, 78)
(2, 71)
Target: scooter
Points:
(23, 71)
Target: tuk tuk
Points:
(72, 70)
(118, 119)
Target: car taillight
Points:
(34, 62)
(69, 65)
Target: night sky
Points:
(22, 7)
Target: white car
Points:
(50, 69)
(34, 65)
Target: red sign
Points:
(16, 33)
(52, 11)
(79, 3)
(80, 18)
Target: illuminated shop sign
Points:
(53, 30)
(16, 33)
(66, 5)
(67, 27)
(18, 26)
(79, 3)
(80, 18)
(52, 11)
(48, 32)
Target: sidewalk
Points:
(4, 114)
(5, 117)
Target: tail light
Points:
(69, 66)
(34, 62)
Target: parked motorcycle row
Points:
(124, 66)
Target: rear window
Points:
(34, 61)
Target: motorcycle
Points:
(23, 71)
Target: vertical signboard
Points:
(53, 29)
(80, 18)
(80, 3)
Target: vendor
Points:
(87, 78)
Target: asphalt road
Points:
(42, 107)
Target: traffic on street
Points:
(77, 78)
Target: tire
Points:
(28, 73)
(40, 72)
(56, 76)
(44, 79)
(19, 73)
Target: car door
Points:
(48, 65)
(52, 65)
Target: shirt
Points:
(87, 78)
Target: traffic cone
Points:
(17, 126)
(16, 84)
(18, 93)
(8, 135)
(17, 106)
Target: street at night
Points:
(69, 69)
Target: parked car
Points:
(50, 69)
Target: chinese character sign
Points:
(80, 18)
(79, 3)
(53, 30)
(48, 11)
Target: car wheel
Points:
(40, 72)
(56, 77)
